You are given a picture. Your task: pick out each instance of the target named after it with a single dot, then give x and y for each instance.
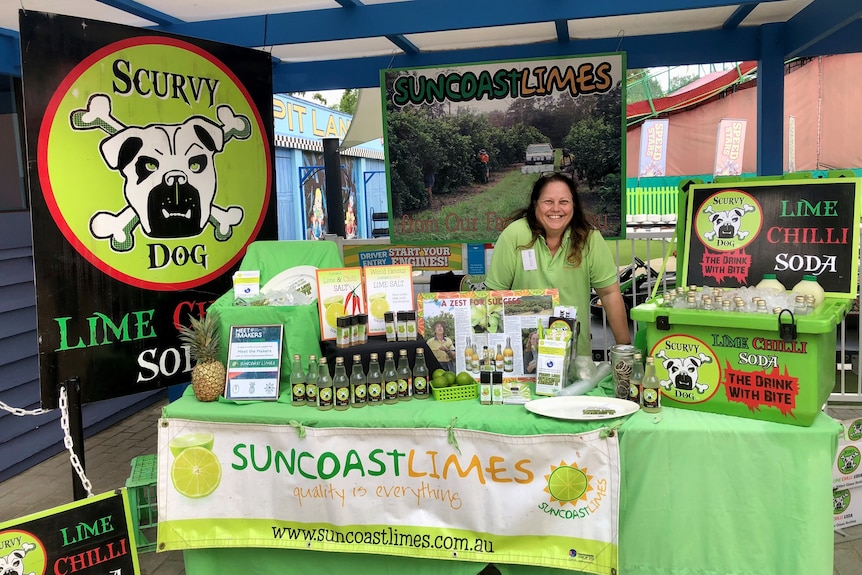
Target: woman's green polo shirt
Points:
(597, 270)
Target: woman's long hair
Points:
(579, 226)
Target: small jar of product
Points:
(354, 330)
(342, 331)
(410, 325)
(363, 328)
(401, 325)
(389, 318)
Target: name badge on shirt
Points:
(529, 259)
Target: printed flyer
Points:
(504, 322)
(339, 293)
(387, 288)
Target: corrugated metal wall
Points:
(28, 440)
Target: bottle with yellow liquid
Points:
(311, 381)
(420, 376)
(341, 386)
(405, 377)
(324, 386)
(468, 356)
(508, 356)
(297, 382)
(358, 385)
(375, 381)
(650, 392)
(390, 379)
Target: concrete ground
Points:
(108, 455)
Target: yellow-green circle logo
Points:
(728, 220)
(154, 163)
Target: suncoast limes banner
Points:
(549, 500)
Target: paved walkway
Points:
(108, 455)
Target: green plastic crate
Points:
(141, 488)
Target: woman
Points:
(531, 352)
(441, 346)
(551, 244)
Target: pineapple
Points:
(208, 374)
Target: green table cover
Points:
(701, 493)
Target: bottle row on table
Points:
(320, 388)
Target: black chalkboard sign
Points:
(88, 536)
(739, 231)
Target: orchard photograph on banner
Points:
(465, 143)
(133, 142)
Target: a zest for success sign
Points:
(543, 500)
(150, 171)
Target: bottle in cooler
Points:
(808, 285)
(770, 281)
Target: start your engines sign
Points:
(150, 172)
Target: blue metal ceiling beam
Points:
(740, 14)
(818, 21)
(642, 52)
(845, 41)
(401, 18)
(398, 39)
(562, 27)
(142, 11)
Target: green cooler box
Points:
(738, 363)
(730, 235)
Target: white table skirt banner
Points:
(445, 493)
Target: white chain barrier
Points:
(67, 441)
(67, 438)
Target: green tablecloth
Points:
(701, 493)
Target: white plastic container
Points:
(769, 281)
(808, 285)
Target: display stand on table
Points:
(301, 323)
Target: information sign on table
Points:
(254, 362)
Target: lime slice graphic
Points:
(378, 307)
(567, 483)
(182, 442)
(196, 472)
(332, 314)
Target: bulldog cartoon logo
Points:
(170, 179)
(726, 223)
(13, 563)
(683, 372)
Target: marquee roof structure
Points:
(330, 44)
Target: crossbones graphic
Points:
(856, 430)
(170, 177)
(838, 502)
(725, 224)
(13, 564)
(682, 371)
(847, 462)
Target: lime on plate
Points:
(196, 472)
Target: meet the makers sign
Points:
(150, 171)
(465, 143)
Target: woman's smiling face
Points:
(554, 208)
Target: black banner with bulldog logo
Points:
(150, 167)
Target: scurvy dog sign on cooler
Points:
(150, 172)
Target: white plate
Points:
(293, 279)
(573, 407)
